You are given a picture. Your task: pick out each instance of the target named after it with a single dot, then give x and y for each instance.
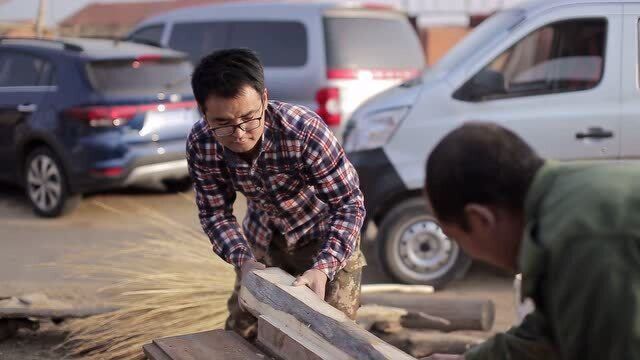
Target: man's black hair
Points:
(479, 163)
(224, 73)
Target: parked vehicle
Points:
(562, 74)
(80, 115)
(327, 57)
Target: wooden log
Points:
(269, 292)
(208, 345)
(461, 314)
(397, 288)
(370, 315)
(284, 342)
(425, 343)
(72, 312)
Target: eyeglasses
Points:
(247, 125)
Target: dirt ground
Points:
(30, 245)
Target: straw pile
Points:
(172, 284)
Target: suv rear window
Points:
(372, 43)
(278, 43)
(140, 76)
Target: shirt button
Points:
(259, 188)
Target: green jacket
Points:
(580, 262)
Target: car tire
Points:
(178, 185)
(413, 249)
(46, 184)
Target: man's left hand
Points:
(315, 279)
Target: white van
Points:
(325, 56)
(563, 74)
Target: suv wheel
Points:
(414, 250)
(46, 184)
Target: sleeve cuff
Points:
(239, 256)
(328, 264)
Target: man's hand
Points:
(246, 268)
(314, 279)
(443, 357)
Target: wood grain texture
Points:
(209, 345)
(468, 314)
(269, 292)
(294, 342)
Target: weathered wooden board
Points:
(208, 345)
(269, 292)
(295, 342)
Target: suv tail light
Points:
(328, 100)
(118, 115)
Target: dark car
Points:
(82, 115)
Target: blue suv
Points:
(82, 115)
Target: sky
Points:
(56, 10)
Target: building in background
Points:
(104, 19)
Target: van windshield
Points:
(496, 26)
(372, 43)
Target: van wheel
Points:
(46, 184)
(414, 250)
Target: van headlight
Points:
(374, 129)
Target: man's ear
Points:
(479, 216)
(265, 96)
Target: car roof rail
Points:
(65, 45)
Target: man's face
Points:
(490, 235)
(246, 110)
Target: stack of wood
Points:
(29, 310)
(422, 325)
(294, 324)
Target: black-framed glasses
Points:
(247, 125)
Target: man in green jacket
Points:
(573, 230)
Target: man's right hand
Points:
(246, 268)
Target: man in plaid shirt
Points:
(305, 208)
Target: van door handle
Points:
(594, 133)
(27, 108)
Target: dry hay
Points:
(172, 284)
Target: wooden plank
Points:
(467, 314)
(270, 292)
(153, 352)
(209, 345)
(286, 342)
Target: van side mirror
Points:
(485, 83)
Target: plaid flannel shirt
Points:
(301, 184)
